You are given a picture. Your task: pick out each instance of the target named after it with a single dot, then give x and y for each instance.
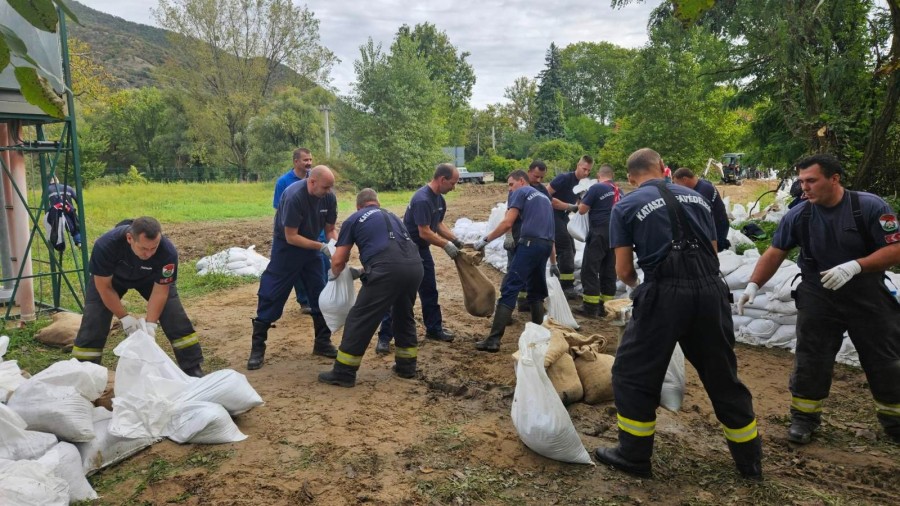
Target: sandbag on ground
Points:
(564, 377)
(226, 387)
(61, 333)
(595, 372)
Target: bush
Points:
(558, 149)
(497, 165)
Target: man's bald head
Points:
(643, 162)
(320, 181)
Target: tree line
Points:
(773, 79)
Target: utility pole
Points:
(493, 139)
(325, 109)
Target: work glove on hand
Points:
(129, 324)
(748, 296)
(509, 243)
(554, 270)
(451, 250)
(481, 244)
(573, 208)
(151, 328)
(325, 251)
(838, 276)
(355, 273)
(457, 243)
(331, 275)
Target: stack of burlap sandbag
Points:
(576, 365)
(234, 262)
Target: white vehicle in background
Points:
(474, 177)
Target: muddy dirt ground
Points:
(447, 438)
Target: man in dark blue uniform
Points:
(393, 273)
(534, 249)
(536, 172)
(847, 240)
(305, 209)
(686, 177)
(598, 266)
(682, 300)
(135, 255)
(564, 202)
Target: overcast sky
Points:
(506, 39)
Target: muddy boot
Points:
(492, 343)
(537, 312)
(383, 347)
(569, 290)
(322, 345)
(258, 344)
(341, 375)
(197, 371)
(405, 368)
(631, 456)
(802, 427)
(523, 305)
(442, 335)
(589, 310)
(748, 458)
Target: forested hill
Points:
(129, 51)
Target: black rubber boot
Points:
(195, 371)
(405, 367)
(258, 344)
(802, 427)
(614, 458)
(341, 375)
(382, 347)
(748, 458)
(589, 310)
(537, 312)
(322, 345)
(631, 456)
(492, 343)
(569, 290)
(523, 305)
(443, 335)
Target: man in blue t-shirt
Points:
(564, 202)
(534, 249)
(393, 273)
(304, 210)
(598, 266)
(686, 177)
(536, 172)
(135, 255)
(847, 241)
(682, 301)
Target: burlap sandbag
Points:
(556, 349)
(105, 399)
(595, 372)
(479, 294)
(62, 331)
(564, 377)
(572, 337)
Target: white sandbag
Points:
(336, 300)
(739, 320)
(578, 226)
(761, 301)
(31, 483)
(139, 357)
(783, 290)
(729, 261)
(784, 337)
(88, 378)
(740, 213)
(751, 256)
(17, 443)
(756, 332)
(248, 270)
(203, 423)
(59, 410)
(738, 279)
(10, 378)
(777, 306)
(65, 461)
(4, 345)
(497, 215)
(557, 305)
(781, 318)
(782, 274)
(236, 264)
(847, 354)
(672, 393)
(583, 186)
(107, 449)
(226, 387)
(753, 313)
(736, 238)
(538, 414)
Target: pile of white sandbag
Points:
(234, 262)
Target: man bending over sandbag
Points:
(135, 255)
(533, 251)
(393, 272)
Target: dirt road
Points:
(447, 438)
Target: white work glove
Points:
(129, 324)
(748, 296)
(151, 328)
(325, 251)
(509, 243)
(451, 249)
(457, 243)
(838, 276)
(481, 244)
(331, 275)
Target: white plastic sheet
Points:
(336, 300)
(538, 414)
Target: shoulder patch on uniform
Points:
(892, 238)
(168, 270)
(888, 222)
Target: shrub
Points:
(497, 165)
(566, 152)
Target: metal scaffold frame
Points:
(49, 158)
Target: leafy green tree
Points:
(565, 152)
(393, 123)
(522, 96)
(587, 132)
(549, 114)
(489, 127)
(230, 55)
(591, 74)
(448, 68)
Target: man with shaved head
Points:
(681, 301)
(305, 208)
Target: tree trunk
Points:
(866, 173)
